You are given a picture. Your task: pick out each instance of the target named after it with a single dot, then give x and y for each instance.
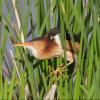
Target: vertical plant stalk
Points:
(37, 13)
(18, 19)
(15, 64)
(48, 21)
(0, 52)
(53, 12)
(0, 75)
(51, 93)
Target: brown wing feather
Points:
(46, 48)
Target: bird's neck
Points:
(58, 40)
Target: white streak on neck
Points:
(57, 40)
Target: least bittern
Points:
(50, 46)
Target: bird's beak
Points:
(22, 44)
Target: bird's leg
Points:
(70, 62)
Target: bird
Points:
(49, 46)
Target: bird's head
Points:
(54, 34)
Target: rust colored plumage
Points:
(44, 48)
